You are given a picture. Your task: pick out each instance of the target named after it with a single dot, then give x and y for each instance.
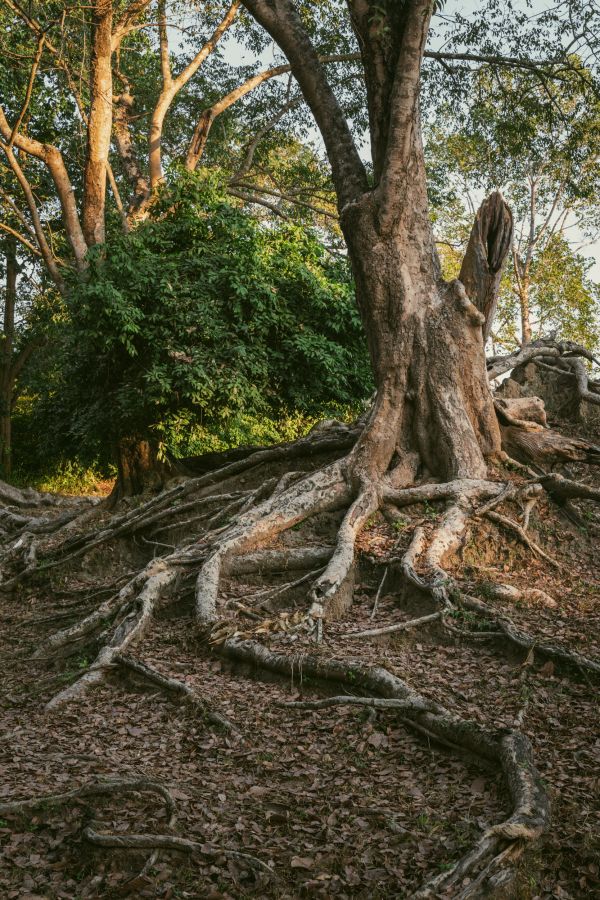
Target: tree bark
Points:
(6, 367)
(99, 124)
(434, 411)
(139, 468)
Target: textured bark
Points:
(138, 468)
(434, 409)
(6, 358)
(99, 124)
(489, 243)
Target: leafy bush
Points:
(199, 326)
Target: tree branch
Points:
(282, 21)
(45, 251)
(20, 237)
(171, 87)
(198, 142)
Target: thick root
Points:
(511, 751)
(324, 490)
(158, 577)
(327, 586)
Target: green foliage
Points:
(564, 296)
(68, 477)
(539, 143)
(204, 322)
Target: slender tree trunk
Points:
(6, 360)
(525, 313)
(99, 123)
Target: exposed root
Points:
(91, 623)
(237, 527)
(346, 700)
(116, 787)
(28, 498)
(173, 685)
(511, 750)
(171, 842)
(324, 490)
(471, 488)
(523, 536)
(525, 641)
(399, 626)
(565, 489)
(326, 587)
(289, 560)
(158, 576)
(108, 788)
(378, 594)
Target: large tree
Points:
(432, 435)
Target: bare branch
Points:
(282, 21)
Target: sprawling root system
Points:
(329, 609)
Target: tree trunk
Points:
(434, 412)
(138, 468)
(99, 124)
(525, 314)
(6, 358)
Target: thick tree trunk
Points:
(434, 411)
(139, 468)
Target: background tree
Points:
(537, 140)
(197, 320)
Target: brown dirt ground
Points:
(339, 802)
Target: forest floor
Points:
(337, 802)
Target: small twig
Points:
(400, 626)
(378, 594)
